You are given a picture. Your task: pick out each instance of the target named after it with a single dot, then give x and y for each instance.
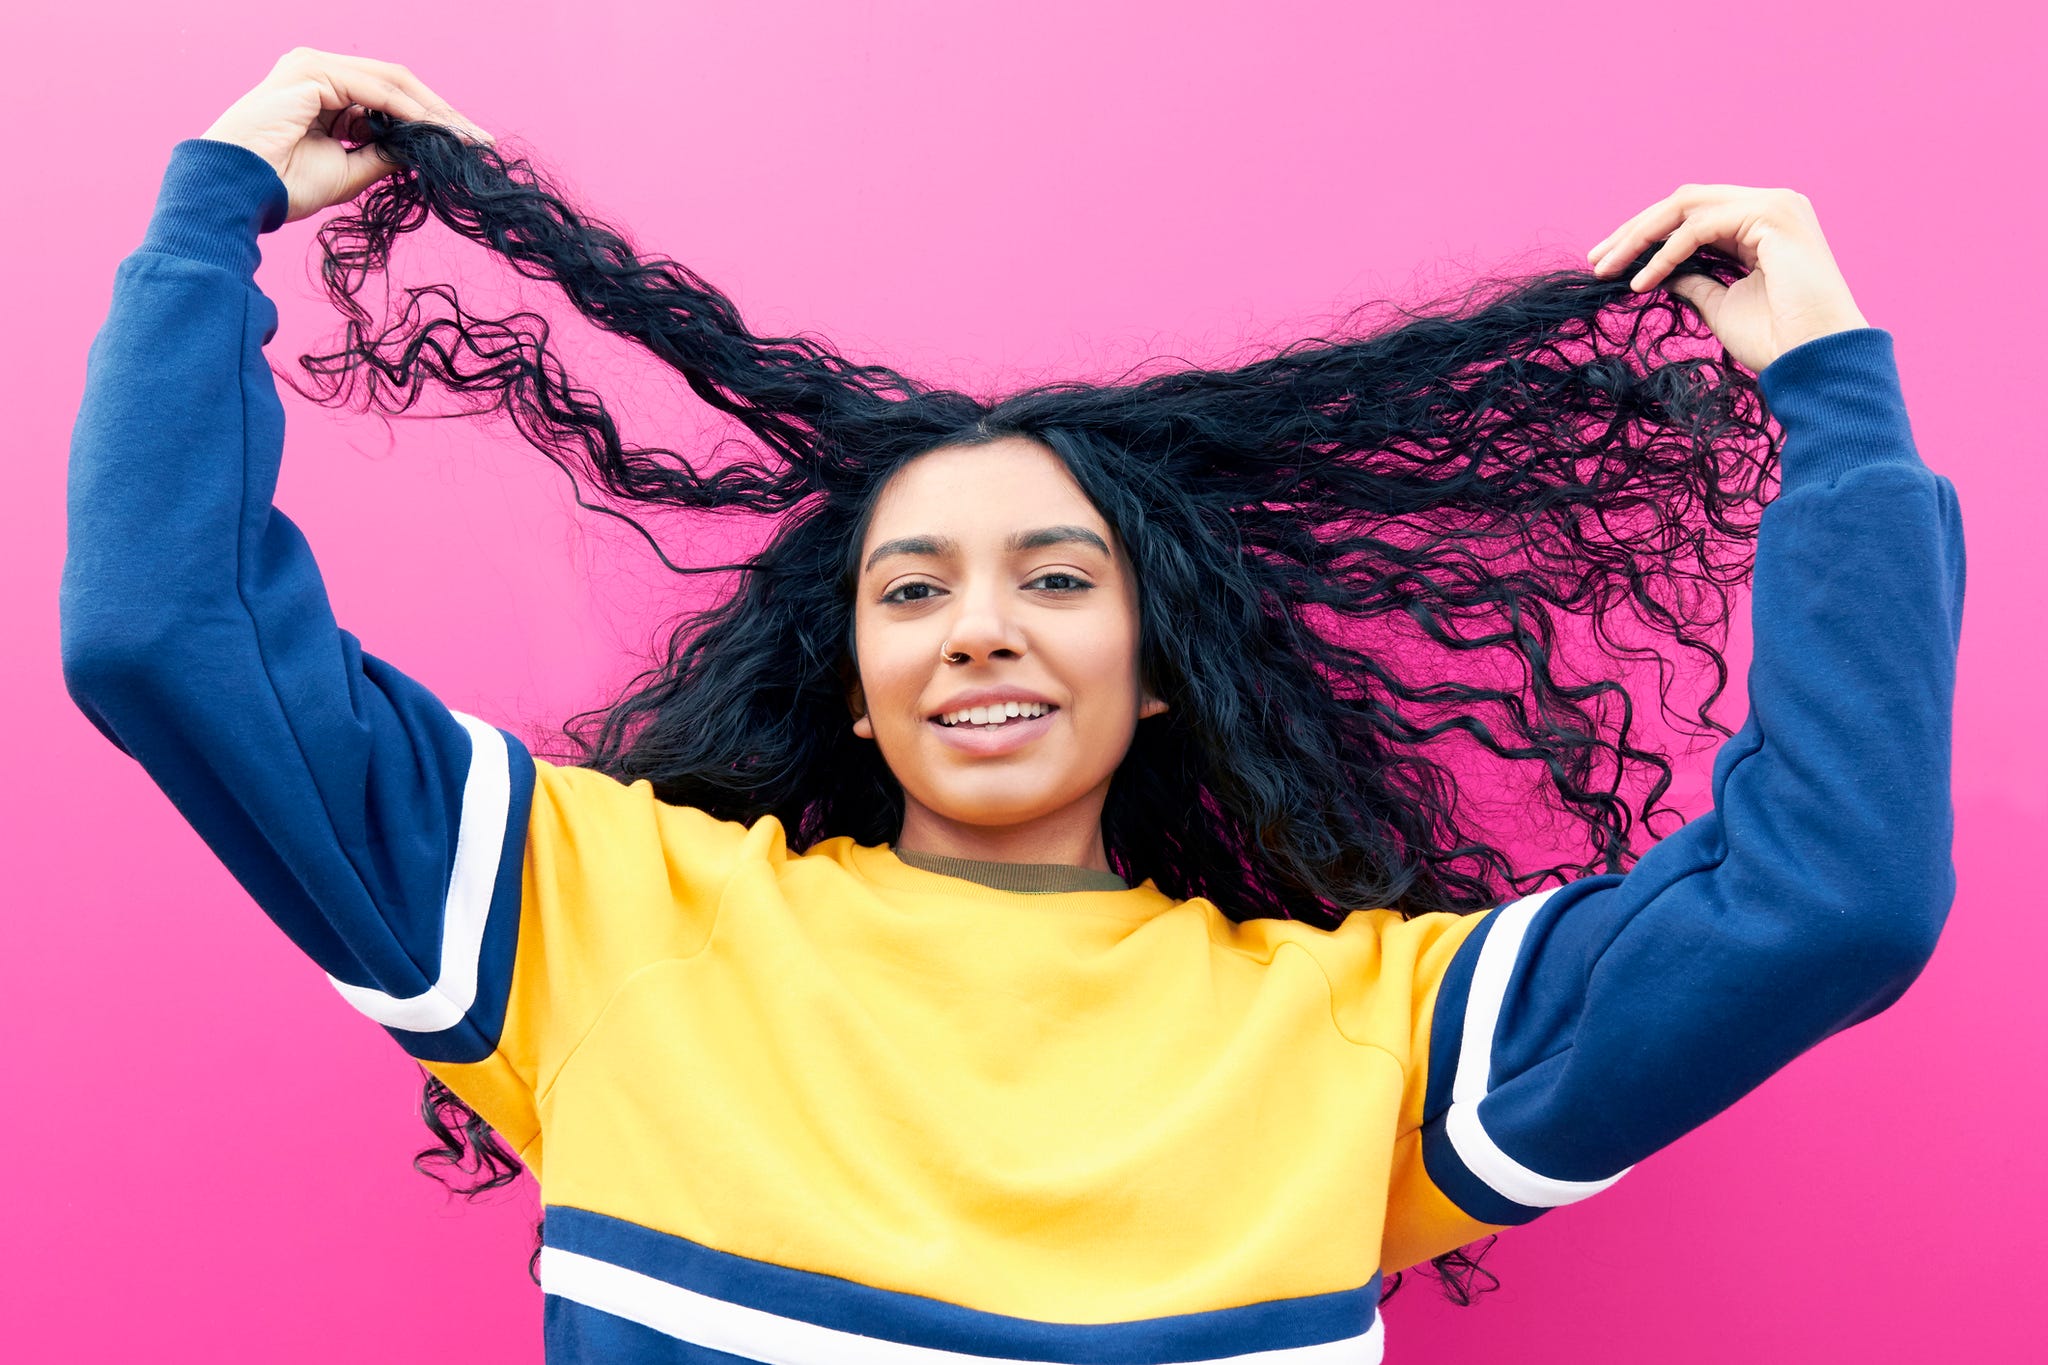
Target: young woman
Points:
(1025, 920)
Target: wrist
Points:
(215, 200)
(1815, 326)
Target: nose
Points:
(983, 627)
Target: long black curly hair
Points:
(1358, 558)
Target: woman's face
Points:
(993, 553)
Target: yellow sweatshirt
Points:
(832, 1106)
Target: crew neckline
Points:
(1031, 879)
(881, 863)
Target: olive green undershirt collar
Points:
(1031, 878)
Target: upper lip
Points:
(989, 696)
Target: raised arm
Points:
(1578, 1030)
(198, 637)
(1583, 1029)
(382, 831)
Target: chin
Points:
(994, 809)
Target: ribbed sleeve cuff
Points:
(215, 199)
(1839, 401)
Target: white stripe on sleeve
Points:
(1482, 1156)
(479, 842)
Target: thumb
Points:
(365, 167)
(1701, 292)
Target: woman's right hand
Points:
(309, 103)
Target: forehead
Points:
(981, 493)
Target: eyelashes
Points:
(895, 594)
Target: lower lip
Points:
(1003, 739)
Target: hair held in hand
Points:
(1359, 558)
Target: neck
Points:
(1073, 837)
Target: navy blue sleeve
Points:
(383, 832)
(1583, 1027)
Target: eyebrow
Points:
(1021, 540)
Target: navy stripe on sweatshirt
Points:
(616, 1290)
(1582, 1028)
(382, 831)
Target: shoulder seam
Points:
(544, 1089)
(1330, 996)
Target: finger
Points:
(1720, 225)
(1606, 244)
(1702, 293)
(343, 79)
(1657, 221)
(1677, 247)
(337, 89)
(1628, 230)
(398, 77)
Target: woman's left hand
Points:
(1793, 293)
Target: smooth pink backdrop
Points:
(207, 1152)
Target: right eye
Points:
(895, 594)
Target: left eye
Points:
(1055, 582)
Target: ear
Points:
(856, 702)
(1150, 707)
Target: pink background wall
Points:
(208, 1153)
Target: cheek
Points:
(1106, 663)
(892, 675)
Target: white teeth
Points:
(994, 714)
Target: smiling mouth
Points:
(995, 722)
